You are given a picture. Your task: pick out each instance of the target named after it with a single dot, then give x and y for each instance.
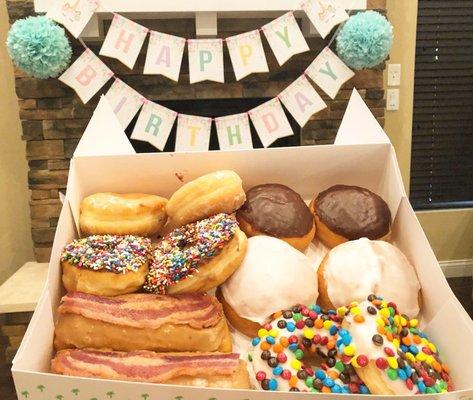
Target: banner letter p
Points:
(205, 57)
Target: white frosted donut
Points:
(273, 276)
(353, 270)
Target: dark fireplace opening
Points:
(216, 108)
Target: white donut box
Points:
(362, 155)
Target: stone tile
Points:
(64, 129)
(43, 235)
(47, 179)
(32, 130)
(42, 254)
(69, 147)
(40, 194)
(40, 223)
(44, 149)
(31, 88)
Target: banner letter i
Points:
(153, 124)
(205, 57)
(284, 37)
(86, 75)
(125, 41)
(329, 71)
(120, 105)
(245, 53)
(194, 130)
(232, 135)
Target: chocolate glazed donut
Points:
(277, 210)
(344, 213)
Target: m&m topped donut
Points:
(281, 348)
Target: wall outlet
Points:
(392, 99)
(394, 74)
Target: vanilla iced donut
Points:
(273, 276)
(353, 270)
(391, 355)
(214, 193)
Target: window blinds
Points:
(442, 140)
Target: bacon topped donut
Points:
(186, 322)
(193, 369)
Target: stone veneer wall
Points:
(53, 117)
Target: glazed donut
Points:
(282, 275)
(345, 213)
(197, 257)
(281, 353)
(105, 265)
(276, 210)
(353, 270)
(122, 214)
(214, 193)
(390, 354)
(189, 369)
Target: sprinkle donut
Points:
(197, 257)
(390, 354)
(279, 352)
(105, 265)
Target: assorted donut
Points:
(249, 288)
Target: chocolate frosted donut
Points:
(345, 213)
(277, 210)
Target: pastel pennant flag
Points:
(270, 122)
(234, 132)
(73, 14)
(329, 72)
(324, 14)
(124, 40)
(154, 124)
(86, 75)
(301, 99)
(164, 55)
(193, 133)
(124, 101)
(247, 54)
(206, 60)
(285, 37)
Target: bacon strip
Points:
(142, 310)
(142, 366)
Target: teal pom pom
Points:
(365, 40)
(39, 47)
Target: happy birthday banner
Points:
(125, 38)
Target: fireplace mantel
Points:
(205, 11)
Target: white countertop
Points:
(22, 290)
